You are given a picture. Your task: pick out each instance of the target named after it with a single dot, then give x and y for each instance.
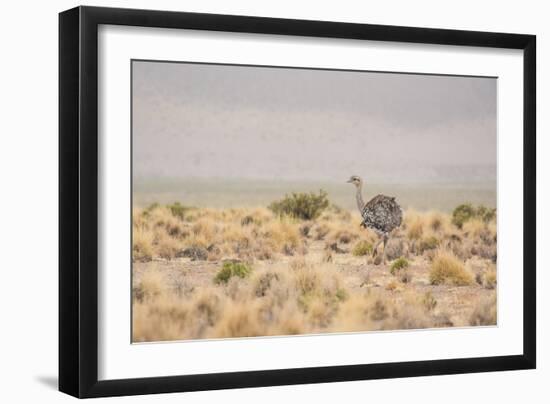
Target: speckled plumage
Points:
(382, 214)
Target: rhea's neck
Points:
(359, 198)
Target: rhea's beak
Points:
(349, 181)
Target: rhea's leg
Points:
(375, 248)
(386, 238)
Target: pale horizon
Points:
(263, 123)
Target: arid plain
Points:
(303, 265)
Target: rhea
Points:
(381, 214)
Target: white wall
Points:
(28, 201)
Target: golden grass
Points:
(166, 246)
(255, 233)
(290, 291)
(392, 285)
(415, 229)
(428, 243)
(242, 233)
(362, 248)
(307, 299)
(142, 241)
(490, 277)
(151, 285)
(283, 235)
(475, 227)
(447, 268)
(270, 303)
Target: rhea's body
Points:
(381, 214)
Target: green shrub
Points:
(248, 219)
(463, 213)
(230, 269)
(301, 205)
(400, 263)
(152, 206)
(362, 248)
(428, 243)
(336, 209)
(466, 212)
(147, 211)
(178, 210)
(486, 214)
(341, 294)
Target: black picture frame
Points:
(78, 201)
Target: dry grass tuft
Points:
(490, 277)
(151, 285)
(415, 229)
(362, 248)
(436, 221)
(475, 228)
(392, 285)
(142, 241)
(428, 243)
(447, 268)
(429, 301)
(166, 247)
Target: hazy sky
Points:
(194, 120)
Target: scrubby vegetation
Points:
(307, 298)
(230, 269)
(306, 206)
(466, 212)
(305, 266)
(172, 232)
(400, 263)
(179, 210)
(428, 243)
(362, 248)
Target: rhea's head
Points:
(355, 180)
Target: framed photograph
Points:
(250, 201)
